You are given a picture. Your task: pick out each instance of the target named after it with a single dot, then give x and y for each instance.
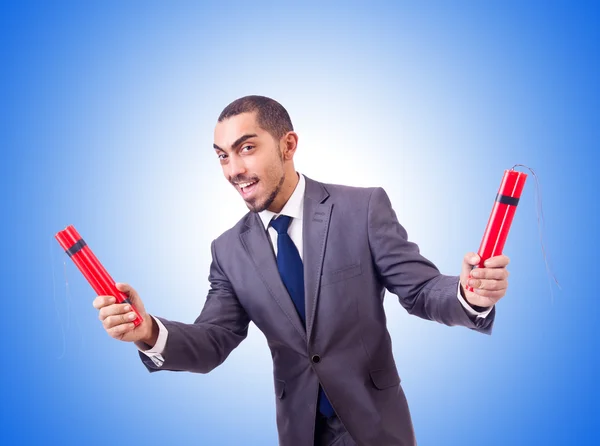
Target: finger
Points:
(490, 273)
(497, 262)
(102, 301)
(112, 310)
(488, 284)
(120, 330)
(119, 319)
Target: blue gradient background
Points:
(107, 113)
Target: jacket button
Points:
(316, 359)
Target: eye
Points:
(247, 147)
(222, 156)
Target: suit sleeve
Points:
(422, 290)
(205, 344)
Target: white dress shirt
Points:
(293, 208)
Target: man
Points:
(309, 265)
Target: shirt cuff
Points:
(470, 310)
(155, 353)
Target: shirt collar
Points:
(294, 206)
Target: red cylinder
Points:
(91, 268)
(501, 216)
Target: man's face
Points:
(251, 159)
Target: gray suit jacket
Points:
(354, 248)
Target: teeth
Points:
(244, 185)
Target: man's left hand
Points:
(489, 283)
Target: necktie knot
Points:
(281, 223)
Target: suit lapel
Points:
(258, 246)
(316, 216)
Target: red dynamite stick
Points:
(501, 217)
(91, 268)
(66, 240)
(70, 240)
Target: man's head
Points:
(255, 142)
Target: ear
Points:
(290, 144)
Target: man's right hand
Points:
(116, 318)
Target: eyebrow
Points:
(238, 141)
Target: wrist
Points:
(470, 304)
(151, 335)
(478, 308)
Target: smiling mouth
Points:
(247, 188)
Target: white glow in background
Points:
(111, 130)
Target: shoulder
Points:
(340, 190)
(351, 194)
(228, 239)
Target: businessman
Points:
(309, 265)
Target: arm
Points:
(422, 290)
(205, 344)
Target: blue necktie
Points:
(291, 271)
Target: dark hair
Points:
(271, 115)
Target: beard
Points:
(256, 206)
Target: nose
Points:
(235, 167)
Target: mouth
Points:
(248, 188)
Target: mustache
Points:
(242, 179)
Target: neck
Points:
(287, 189)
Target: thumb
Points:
(134, 298)
(470, 260)
(127, 289)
